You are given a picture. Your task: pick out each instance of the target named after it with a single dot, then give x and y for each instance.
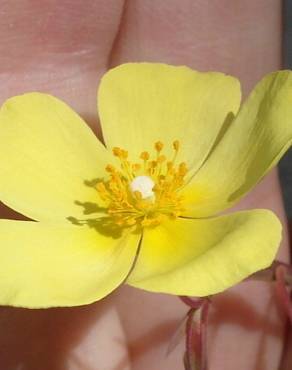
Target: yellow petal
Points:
(46, 154)
(256, 140)
(142, 103)
(207, 256)
(44, 265)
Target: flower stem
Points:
(195, 357)
(196, 323)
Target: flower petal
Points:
(44, 265)
(254, 143)
(204, 257)
(47, 152)
(142, 103)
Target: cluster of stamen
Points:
(128, 206)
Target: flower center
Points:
(144, 193)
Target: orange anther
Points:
(110, 168)
(176, 145)
(136, 167)
(182, 168)
(145, 156)
(117, 151)
(158, 146)
(124, 154)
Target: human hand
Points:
(64, 48)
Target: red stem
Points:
(197, 318)
(204, 326)
(194, 303)
(192, 354)
(196, 334)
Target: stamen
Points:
(110, 168)
(158, 146)
(144, 194)
(161, 158)
(117, 152)
(176, 145)
(145, 156)
(136, 167)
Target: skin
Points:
(63, 48)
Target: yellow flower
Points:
(143, 208)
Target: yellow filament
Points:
(128, 208)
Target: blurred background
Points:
(286, 162)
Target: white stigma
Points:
(144, 185)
